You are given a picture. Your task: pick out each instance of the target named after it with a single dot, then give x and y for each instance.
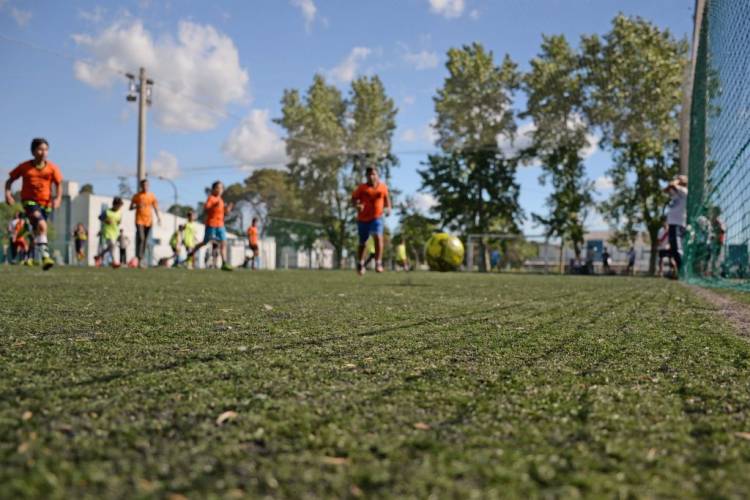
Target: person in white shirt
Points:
(677, 218)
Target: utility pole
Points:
(141, 92)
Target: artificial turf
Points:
(393, 385)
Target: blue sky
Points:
(220, 69)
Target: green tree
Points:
(634, 76)
(554, 88)
(329, 139)
(180, 210)
(86, 189)
(473, 179)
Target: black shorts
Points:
(79, 245)
(663, 253)
(254, 248)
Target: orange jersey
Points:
(37, 182)
(214, 209)
(252, 235)
(373, 200)
(146, 203)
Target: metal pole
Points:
(141, 123)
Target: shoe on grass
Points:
(226, 267)
(47, 263)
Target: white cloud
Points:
(117, 169)
(255, 144)
(93, 16)
(348, 68)
(448, 8)
(423, 59)
(604, 183)
(197, 75)
(524, 138)
(21, 17)
(309, 11)
(409, 100)
(409, 135)
(423, 202)
(165, 165)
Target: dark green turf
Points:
(393, 385)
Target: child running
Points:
(38, 175)
(188, 238)
(110, 233)
(143, 203)
(215, 210)
(174, 243)
(252, 239)
(80, 237)
(370, 199)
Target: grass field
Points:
(112, 382)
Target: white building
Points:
(85, 208)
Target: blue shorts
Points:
(365, 229)
(35, 212)
(215, 234)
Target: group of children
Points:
(41, 193)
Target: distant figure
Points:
(11, 257)
(21, 245)
(80, 238)
(175, 242)
(144, 202)
(110, 233)
(188, 238)
(630, 271)
(39, 176)
(677, 218)
(123, 241)
(252, 240)
(402, 260)
(371, 199)
(662, 238)
(718, 238)
(605, 261)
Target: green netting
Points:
(719, 163)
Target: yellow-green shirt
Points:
(188, 235)
(111, 227)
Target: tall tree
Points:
(554, 88)
(634, 76)
(329, 139)
(86, 188)
(473, 179)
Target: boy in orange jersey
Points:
(215, 211)
(38, 176)
(143, 203)
(252, 238)
(371, 198)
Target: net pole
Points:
(687, 94)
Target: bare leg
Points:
(378, 253)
